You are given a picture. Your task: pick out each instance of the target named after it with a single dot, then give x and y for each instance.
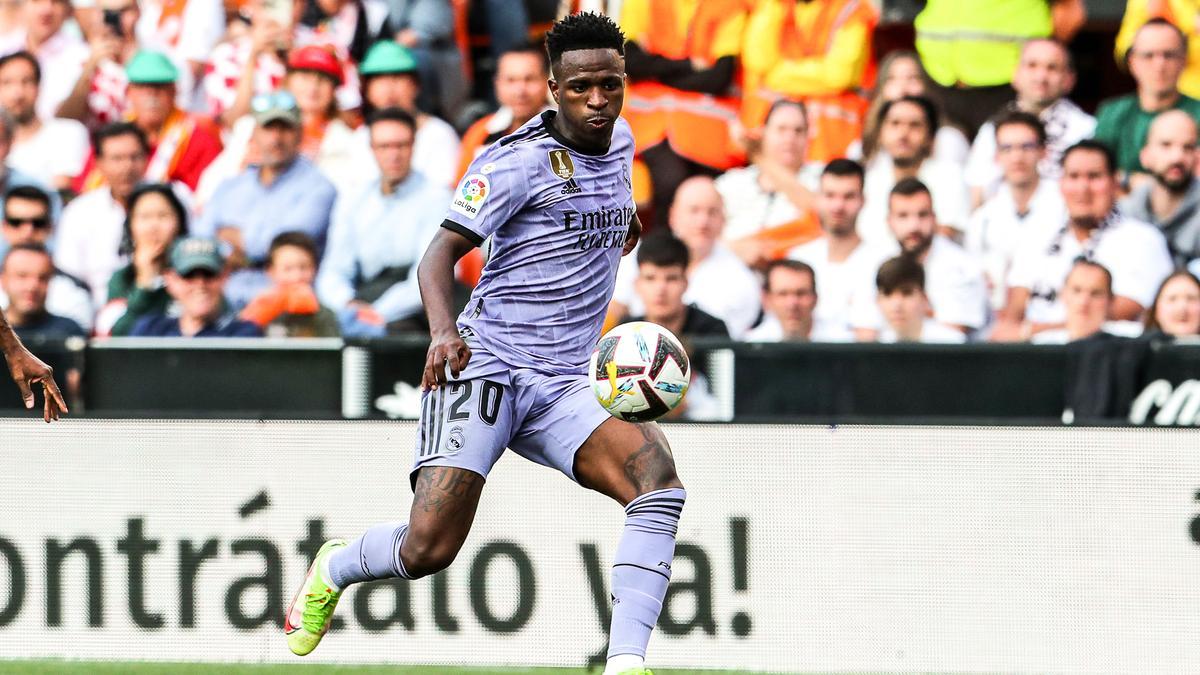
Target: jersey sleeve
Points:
(494, 188)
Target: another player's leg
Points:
(632, 463)
(443, 509)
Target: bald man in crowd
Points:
(1171, 199)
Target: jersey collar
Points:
(547, 122)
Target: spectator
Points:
(155, 221)
(186, 32)
(1176, 308)
(906, 139)
(51, 150)
(25, 279)
(844, 265)
(1044, 77)
(427, 28)
(27, 220)
(1087, 300)
(379, 233)
(313, 75)
(348, 25)
(281, 192)
(1182, 14)
(11, 176)
(99, 94)
(1026, 205)
(682, 61)
(390, 81)
(1156, 59)
(195, 280)
(817, 52)
(788, 299)
(89, 238)
(901, 74)
(971, 47)
(952, 280)
(662, 263)
(900, 284)
(521, 90)
(1133, 252)
(251, 64)
(769, 207)
(1171, 201)
(290, 307)
(718, 282)
(60, 53)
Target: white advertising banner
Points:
(801, 549)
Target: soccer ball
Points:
(639, 371)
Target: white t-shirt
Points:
(59, 148)
(953, 282)
(1066, 124)
(1133, 252)
(1059, 336)
(749, 208)
(770, 330)
(951, 201)
(996, 231)
(721, 285)
(932, 332)
(435, 153)
(843, 285)
(88, 240)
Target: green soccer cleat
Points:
(311, 611)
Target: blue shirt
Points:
(161, 325)
(558, 218)
(371, 232)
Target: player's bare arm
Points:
(28, 370)
(635, 235)
(435, 276)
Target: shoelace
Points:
(313, 618)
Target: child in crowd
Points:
(290, 307)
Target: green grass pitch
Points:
(118, 668)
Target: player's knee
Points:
(424, 556)
(659, 474)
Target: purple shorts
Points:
(468, 422)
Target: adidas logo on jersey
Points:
(571, 188)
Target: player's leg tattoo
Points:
(650, 466)
(443, 508)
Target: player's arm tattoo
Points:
(446, 491)
(651, 466)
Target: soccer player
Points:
(27, 370)
(555, 198)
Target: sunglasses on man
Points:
(36, 223)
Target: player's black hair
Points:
(29, 193)
(26, 57)
(785, 264)
(1084, 262)
(529, 48)
(928, 108)
(166, 192)
(1089, 145)
(296, 239)
(663, 249)
(392, 115)
(1020, 117)
(29, 246)
(907, 187)
(844, 168)
(899, 273)
(116, 130)
(586, 30)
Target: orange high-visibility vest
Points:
(696, 125)
(834, 120)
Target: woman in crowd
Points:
(154, 220)
(901, 74)
(1176, 309)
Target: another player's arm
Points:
(435, 276)
(28, 370)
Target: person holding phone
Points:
(98, 96)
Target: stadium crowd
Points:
(277, 167)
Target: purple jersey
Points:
(558, 218)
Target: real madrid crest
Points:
(561, 164)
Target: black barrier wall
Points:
(1092, 381)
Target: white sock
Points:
(323, 575)
(622, 662)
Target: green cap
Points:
(388, 57)
(196, 253)
(147, 67)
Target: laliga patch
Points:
(472, 192)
